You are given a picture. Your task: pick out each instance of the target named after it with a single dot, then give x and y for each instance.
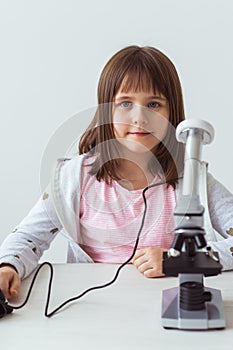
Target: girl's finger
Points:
(150, 273)
(138, 254)
(5, 289)
(144, 267)
(140, 260)
(15, 285)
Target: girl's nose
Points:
(139, 115)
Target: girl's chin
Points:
(138, 150)
(135, 151)
(134, 147)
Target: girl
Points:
(96, 197)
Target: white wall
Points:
(52, 52)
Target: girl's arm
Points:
(25, 245)
(220, 202)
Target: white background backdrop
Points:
(52, 52)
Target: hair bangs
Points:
(142, 76)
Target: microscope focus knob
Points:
(201, 126)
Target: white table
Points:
(124, 316)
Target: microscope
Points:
(191, 305)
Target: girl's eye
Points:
(153, 105)
(126, 104)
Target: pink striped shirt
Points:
(110, 217)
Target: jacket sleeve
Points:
(220, 203)
(25, 245)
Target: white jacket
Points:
(58, 210)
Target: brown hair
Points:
(135, 68)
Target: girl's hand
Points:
(9, 281)
(148, 261)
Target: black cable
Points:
(49, 314)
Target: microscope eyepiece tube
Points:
(195, 133)
(192, 160)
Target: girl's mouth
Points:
(139, 134)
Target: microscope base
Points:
(212, 317)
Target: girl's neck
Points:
(134, 174)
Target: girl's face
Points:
(140, 120)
